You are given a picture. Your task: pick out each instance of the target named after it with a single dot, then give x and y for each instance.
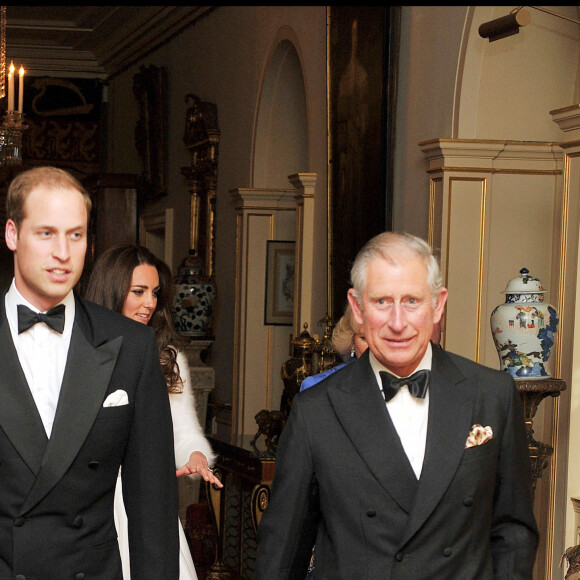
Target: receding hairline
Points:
(29, 181)
(50, 190)
(395, 248)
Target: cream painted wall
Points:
(526, 76)
(451, 84)
(429, 49)
(222, 59)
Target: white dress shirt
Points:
(42, 353)
(409, 414)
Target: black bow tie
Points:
(417, 383)
(54, 318)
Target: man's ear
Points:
(440, 305)
(11, 235)
(355, 306)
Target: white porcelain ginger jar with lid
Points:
(524, 329)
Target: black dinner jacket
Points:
(344, 483)
(56, 496)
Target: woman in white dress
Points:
(133, 281)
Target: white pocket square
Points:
(478, 435)
(116, 399)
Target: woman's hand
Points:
(198, 464)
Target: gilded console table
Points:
(247, 473)
(533, 392)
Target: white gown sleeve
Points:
(188, 434)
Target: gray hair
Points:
(395, 248)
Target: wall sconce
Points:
(504, 26)
(510, 24)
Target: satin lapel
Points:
(451, 403)
(19, 417)
(81, 396)
(360, 407)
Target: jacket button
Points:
(80, 576)
(78, 522)
(468, 501)
(19, 522)
(399, 557)
(93, 464)
(447, 552)
(371, 513)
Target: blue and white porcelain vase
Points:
(524, 329)
(194, 299)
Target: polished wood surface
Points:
(247, 472)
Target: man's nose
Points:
(398, 318)
(60, 248)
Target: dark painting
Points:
(363, 43)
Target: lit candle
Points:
(11, 88)
(20, 89)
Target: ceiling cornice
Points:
(91, 41)
(129, 46)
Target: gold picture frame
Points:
(279, 303)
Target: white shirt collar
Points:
(14, 298)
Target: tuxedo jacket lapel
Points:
(360, 407)
(450, 412)
(19, 417)
(80, 400)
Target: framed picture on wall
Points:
(279, 304)
(150, 89)
(362, 57)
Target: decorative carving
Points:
(270, 425)
(216, 497)
(201, 138)
(75, 101)
(64, 121)
(260, 500)
(247, 476)
(533, 392)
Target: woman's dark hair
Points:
(109, 285)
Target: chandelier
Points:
(12, 124)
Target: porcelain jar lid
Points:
(525, 283)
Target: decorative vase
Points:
(524, 329)
(194, 298)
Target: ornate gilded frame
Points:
(201, 138)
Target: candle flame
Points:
(21, 71)
(11, 67)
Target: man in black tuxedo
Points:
(424, 478)
(81, 394)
